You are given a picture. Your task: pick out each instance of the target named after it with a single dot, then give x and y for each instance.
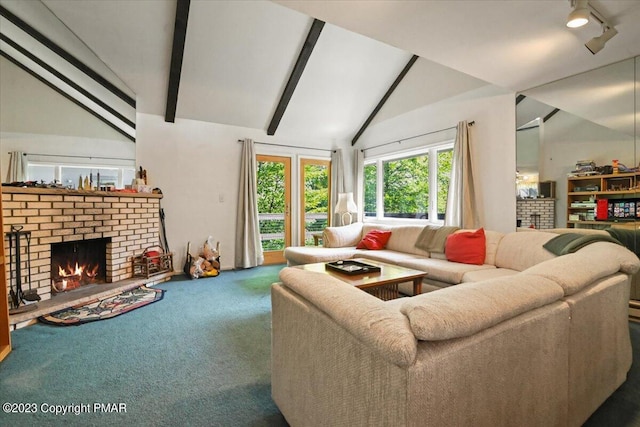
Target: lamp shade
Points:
(579, 16)
(346, 203)
(345, 207)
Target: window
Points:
(69, 175)
(370, 189)
(410, 185)
(44, 173)
(314, 196)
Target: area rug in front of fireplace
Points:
(105, 308)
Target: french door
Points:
(274, 206)
(315, 184)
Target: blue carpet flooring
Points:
(199, 357)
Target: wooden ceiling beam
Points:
(177, 52)
(551, 114)
(296, 73)
(66, 95)
(384, 99)
(65, 55)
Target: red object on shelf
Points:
(602, 211)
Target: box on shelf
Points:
(142, 188)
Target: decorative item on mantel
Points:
(140, 183)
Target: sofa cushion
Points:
(561, 230)
(442, 270)
(402, 238)
(467, 248)
(374, 240)
(338, 237)
(493, 239)
(297, 255)
(366, 317)
(370, 226)
(519, 251)
(490, 273)
(469, 308)
(433, 238)
(385, 255)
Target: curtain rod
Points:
(291, 146)
(77, 157)
(413, 137)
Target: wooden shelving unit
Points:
(582, 191)
(5, 333)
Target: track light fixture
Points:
(596, 44)
(581, 14)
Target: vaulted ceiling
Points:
(238, 55)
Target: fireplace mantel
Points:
(52, 215)
(64, 191)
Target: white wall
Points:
(29, 106)
(528, 150)
(36, 119)
(197, 167)
(493, 144)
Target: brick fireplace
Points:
(128, 221)
(542, 211)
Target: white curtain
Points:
(462, 209)
(337, 182)
(358, 179)
(17, 171)
(248, 247)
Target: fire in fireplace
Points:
(74, 264)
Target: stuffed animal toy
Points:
(196, 268)
(208, 262)
(210, 253)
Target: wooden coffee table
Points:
(382, 284)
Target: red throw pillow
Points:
(375, 239)
(467, 247)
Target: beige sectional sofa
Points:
(526, 339)
(506, 254)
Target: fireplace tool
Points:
(18, 295)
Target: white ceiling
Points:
(603, 96)
(239, 54)
(516, 44)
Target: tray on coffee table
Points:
(351, 267)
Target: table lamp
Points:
(346, 206)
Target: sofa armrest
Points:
(339, 237)
(370, 320)
(576, 271)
